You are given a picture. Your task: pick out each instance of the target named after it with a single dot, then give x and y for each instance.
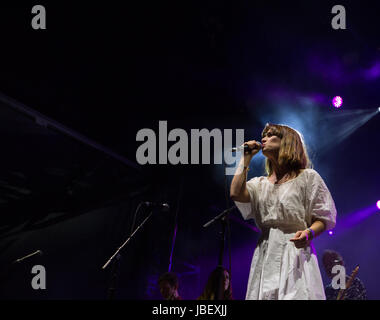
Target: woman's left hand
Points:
(301, 239)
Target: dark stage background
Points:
(105, 71)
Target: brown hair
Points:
(332, 257)
(292, 154)
(170, 278)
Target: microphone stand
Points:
(116, 265)
(219, 217)
(10, 267)
(115, 268)
(222, 218)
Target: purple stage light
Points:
(378, 204)
(337, 102)
(330, 233)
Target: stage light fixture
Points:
(337, 101)
(378, 204)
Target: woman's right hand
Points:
(238, 189)
(252, 144)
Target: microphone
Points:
(246, 148)
(163, 206)
(38, 252)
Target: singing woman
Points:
(291, 205)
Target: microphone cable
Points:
(227, 220)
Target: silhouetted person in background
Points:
(168, 283)
(356, 291)
(210, 290)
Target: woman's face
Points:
(167, 290)
(270, 144)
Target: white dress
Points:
(279, 270)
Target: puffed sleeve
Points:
(320, 204)
(248, 209)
